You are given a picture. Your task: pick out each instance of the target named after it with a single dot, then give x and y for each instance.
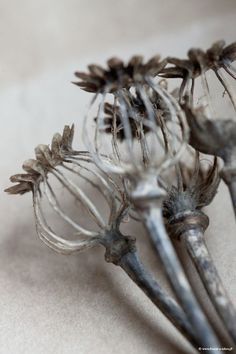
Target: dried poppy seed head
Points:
(182, 207)
(213, 58)
(118, 74)
(135, 113)
(218, 58)
(59, 161)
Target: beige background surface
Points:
(78, 304)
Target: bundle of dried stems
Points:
(140, 134)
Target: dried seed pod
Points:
(120, 249)
(218, 58)
(195, 189)
(140, 163)
(210, 131)
(185, 221)
(57, 161)
(118, 74)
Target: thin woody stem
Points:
(203, 262)
(121, 251)
(154, 224)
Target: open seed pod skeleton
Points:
(218, 58)
(57, 161)
(212, 130)
(140, 132)
(136, 101)
(120, 249)
(137, 123)
(185, 220)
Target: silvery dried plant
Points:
(199, 62)
(195, 188)
(139, 133)
(141, 171)
(121, 250)
(210, 132)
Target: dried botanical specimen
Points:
(118, 74)
(120, 249)
(216, 135)
(140, 133)
(141, 172)
(186, 221)
(199, 62)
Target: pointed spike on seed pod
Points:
(90, 89)
(96, 70)
(82, 75)
(56, 144)
(33, 166)
(87, 86)
(115, 63)
(20, 188)
(172, 73)
(135, 60)
(22, 177)
(155, 60)
(196, 54)
(42, 152)
(44, 155)
(218, 46)
(67, 137)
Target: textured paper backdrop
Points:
(79, 304)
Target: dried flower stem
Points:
(197, 249)
(121, 251)
(150, 209)
(185, 220)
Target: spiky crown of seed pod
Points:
(61, 154)
(214, 137)
(46, 159)
(113, 120)
(217, 56)
(118, 74)
(197, 189)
